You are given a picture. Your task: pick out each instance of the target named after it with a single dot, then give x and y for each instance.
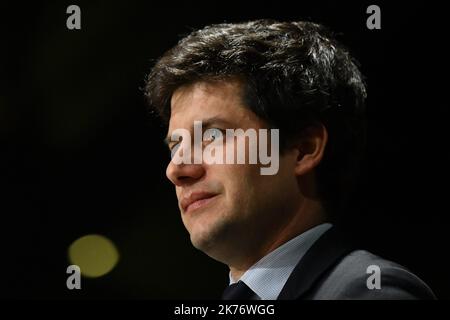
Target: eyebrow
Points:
(206, 124)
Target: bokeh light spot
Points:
(95, 254)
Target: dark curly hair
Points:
(294, 74)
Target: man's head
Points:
(263, 74)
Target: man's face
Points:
(228, 207)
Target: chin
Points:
(202, 243)
(205, 236)
(208, 246)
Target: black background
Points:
(80, 154)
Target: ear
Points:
(311, 147)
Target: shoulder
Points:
(363, 275)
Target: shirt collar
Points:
(268, 276)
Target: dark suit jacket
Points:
(332, 269)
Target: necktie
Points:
(238, 291)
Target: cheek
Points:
(235, 180)
(241, 183)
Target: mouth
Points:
(196, 201)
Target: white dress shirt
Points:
(268, 276)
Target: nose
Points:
(184, 174)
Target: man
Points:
(274, 231)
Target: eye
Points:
(174, 148)
(212, 134)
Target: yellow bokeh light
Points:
(95, 254)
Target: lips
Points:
(196, 200)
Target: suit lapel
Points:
(322, 256)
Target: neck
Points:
(309, 215)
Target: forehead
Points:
(205, 97)
(201, 101)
